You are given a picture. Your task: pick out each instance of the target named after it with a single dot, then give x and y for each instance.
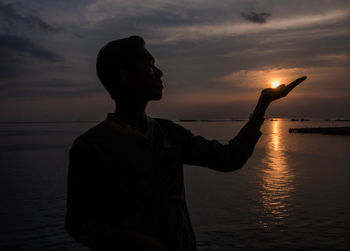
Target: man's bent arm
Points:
(231, 156)
(222, 157)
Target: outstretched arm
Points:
(199, 151)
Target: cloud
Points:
(18, 46)
(11, 20)
(194, 32)
(17, 53)
(48, 88)
(10, 44)
(320, 80)
(255, 17)
(101, 10)
(264, 77)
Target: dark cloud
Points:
(11, 20)
(255, 17)
(48, 88)
(18, 46)
(23, 45)
(295, 50)
(19, 52)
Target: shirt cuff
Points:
(250, 133)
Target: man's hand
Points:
(270, 94)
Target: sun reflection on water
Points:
(278, 178)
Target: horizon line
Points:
(300, 119)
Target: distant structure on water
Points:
(322, 130)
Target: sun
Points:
(275, 84)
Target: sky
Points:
(216, 56)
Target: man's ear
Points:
(125, 77)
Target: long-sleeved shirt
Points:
(122, 180)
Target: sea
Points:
(292, 194)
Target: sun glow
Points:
(275, 84)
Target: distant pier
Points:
(323, 130)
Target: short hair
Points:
(115, 56)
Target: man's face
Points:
(146, 78)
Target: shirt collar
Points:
(122, 128)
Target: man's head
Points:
(126, 69)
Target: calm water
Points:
(294, 193)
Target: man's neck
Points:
(132, 114)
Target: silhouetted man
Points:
(125, 180)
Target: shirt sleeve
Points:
(222, 157)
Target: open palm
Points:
(271, 94)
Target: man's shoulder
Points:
(166, 123)
(94, 133)
(163, 121)
(171, 127)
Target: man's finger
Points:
(296, 82)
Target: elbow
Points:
(72, 227)
(230, 161)
(232, 164)
(224, 169)
(227, 167)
